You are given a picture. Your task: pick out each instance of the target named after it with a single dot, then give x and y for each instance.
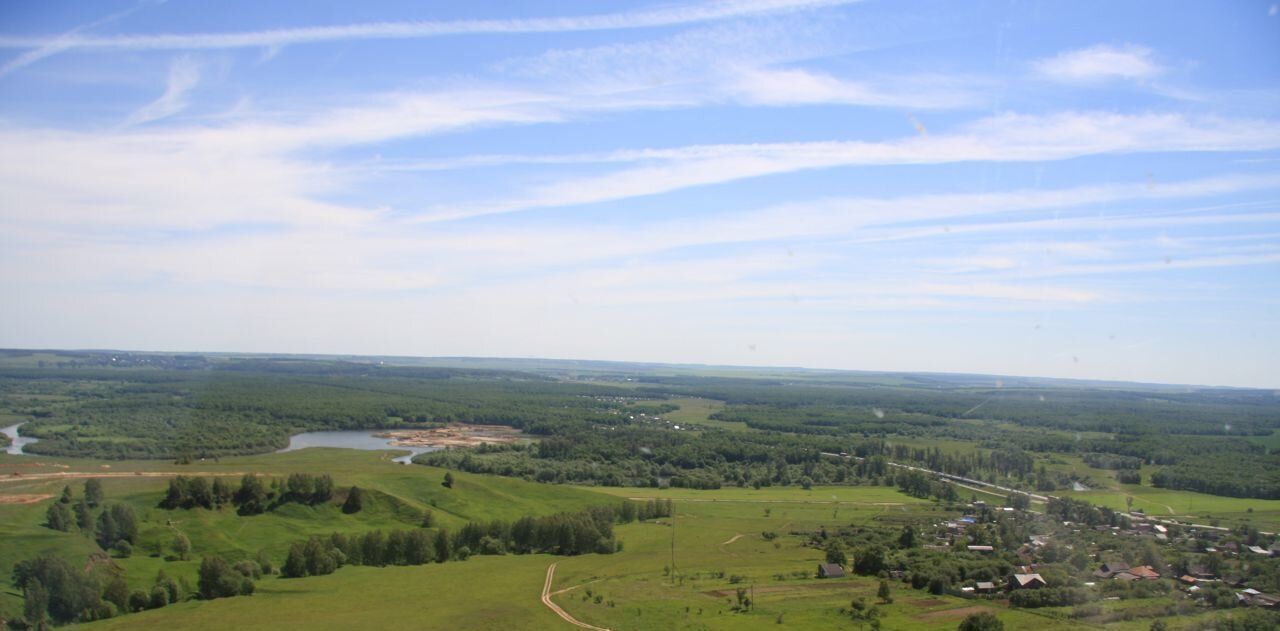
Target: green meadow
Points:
(1187, 506)
(718, 548)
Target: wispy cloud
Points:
(46, 47)
(794, 86)
(1159, 264)
(1002, 138)
(184, 74)
(649, 18)
(1100, 63)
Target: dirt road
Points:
(546, 600)
(33, 498)
(70, 475)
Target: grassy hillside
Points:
(396, 496)
(718, 548)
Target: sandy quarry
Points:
(453, 435)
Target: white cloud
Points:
(741, 63)
(184, 74)
(1161, 264)
(1100, 63)
(1002, 291)
(1001, 138)
(645, 18)
(763, 86)
(47, 47)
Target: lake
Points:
(16, 442)
(352, 440)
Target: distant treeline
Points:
(1243, 475)
(597, 434)
(153, 413)
(1199, 412)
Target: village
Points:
(1072, 554)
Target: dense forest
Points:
(612, 431)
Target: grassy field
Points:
(1271, 441)
(397, 496)
(1181, 505)
(718, 548)
(697, 412)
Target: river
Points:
(16, 442)
(352, 440)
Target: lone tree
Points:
(295, 565)
(59, 517)
(355, 501)
(835, 553)
(448, 480)
(181, 546)
(84, 517)
(252, 495)
(35, 604)
(985, 621)
(883, 593)
(93, 491)
(869, 560)
(66, 495)
(908, 537)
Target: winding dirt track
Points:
(30, 498)
(546, 600)
(70, 475)
(732, 539)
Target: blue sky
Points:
(1067, 189)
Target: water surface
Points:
(362, 439)
(16, 442)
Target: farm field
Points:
(696, 411)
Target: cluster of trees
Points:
(920, 485)
(253, 496)
(1243, 475)
(117, 529)
(56, 592)
(190, 492)
(587, 531)
(1111, 461)
(636, 454)
(323, 555)
(308, 489)
(115, 526)
(1083, 512)
(1049, 597)
(221, 579)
